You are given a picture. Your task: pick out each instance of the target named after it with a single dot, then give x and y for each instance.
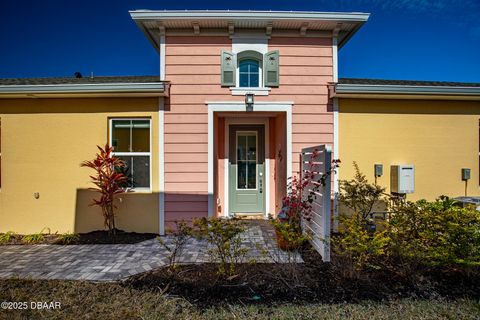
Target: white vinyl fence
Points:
(318, 159)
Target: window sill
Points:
(139, 190)
(237, 91)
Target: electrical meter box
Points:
(402, 179)
(465, 174)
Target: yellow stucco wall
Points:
(438, 137)
(43, 142)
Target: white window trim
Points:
(149, 154)
(257, 43)
(241, 91)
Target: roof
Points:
(231, 22)
(145, 86)
(405, 89)
(73, 80)
(407, 82)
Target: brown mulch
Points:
(308, 282)
(94, 237)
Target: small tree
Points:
(108, 182)
(359, 195)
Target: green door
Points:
(246, 167)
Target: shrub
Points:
(359, 195)
(67, 238)
(436, 233)
(33, 238)
(416, 234)
(359, 245)
(7, 237)
(179, 238)
(108, 181)
(224, 237)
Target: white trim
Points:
(133, 154)
(336, 140)
(247, 15)
(336, 155)
(246, 120)
(211, 182)
(161, 166)
(162, 57)
(250, 43)
(233, 106)
(155, 87)
(335, 59)
(239, 91)
(344, 89)
(238, 105)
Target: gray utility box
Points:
(402, 178)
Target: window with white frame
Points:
(249, 69)
(131, 142)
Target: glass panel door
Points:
(247, 145)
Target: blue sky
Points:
(404, 39)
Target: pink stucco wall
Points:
(193, 69)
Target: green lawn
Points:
(83, 300)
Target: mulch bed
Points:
(317, 282)
(94, 237)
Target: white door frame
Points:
(233, 106)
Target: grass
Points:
(84, 300)
(33, 238)
(67, 238)
(6, 237)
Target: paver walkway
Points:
(110, 262)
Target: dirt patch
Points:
(94, 237)
(121, 237)
(304, 283)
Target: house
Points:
(218, 133)
(432, 127)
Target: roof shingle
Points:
(73, 80)
(406, 82)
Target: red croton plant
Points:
(108, 180)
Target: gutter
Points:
(157, 88)
(380, 91)
(250, 15)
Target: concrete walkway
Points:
(111, 262)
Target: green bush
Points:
(421, 233)
(179, 239)
(436, 233)
(363, 248)
(224, 237)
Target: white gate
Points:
(317, 161)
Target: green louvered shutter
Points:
(271, 62)
(228, 69)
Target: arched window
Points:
(249, 69)
(249, 73)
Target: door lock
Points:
(260, 182)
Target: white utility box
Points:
(402, 178)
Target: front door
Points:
(246, 167)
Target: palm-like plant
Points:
(108, 181)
